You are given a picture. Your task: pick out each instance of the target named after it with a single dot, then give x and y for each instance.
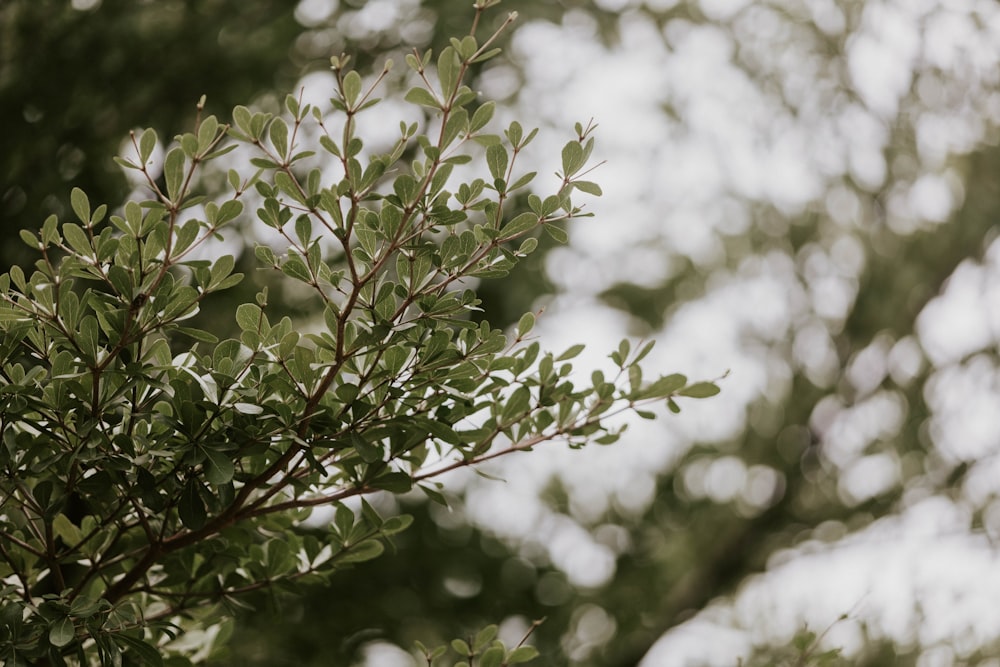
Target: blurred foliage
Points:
(74, 82)
(146, 65)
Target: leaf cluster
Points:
(150, 473)
(483, 650)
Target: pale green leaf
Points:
(278, 132)
(699, 390)
(81, 205)
(62, 632)
(423, 97)
(522, 654)
(482, 116)
(519, 225)
(491, 657)
(352, 88)
(77, 239)
(173, 172)
(147, 143)
(496, 159)
(525, 324)
(664, 386)
(572, 158)
(589, 187)
(248, 316)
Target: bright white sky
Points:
(674, 188)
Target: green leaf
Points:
(264, 163)
(147, 143)
(621, 354)
(81, 205)
(589, 187)
(62, 632)
(551, 204)
(78, 239)
(191, 507)
(67, 530)
(423, 97)
(519, 225)
(634, 377)
(368, 451)
(197, 334)
(50, 233)
(206, 132)
(522, 181)
(303, 230)
(84, 607)
(29, 239)
(644, 351)
(218, 467)
(491, 657)
(487, 139)
(572, 158)
(367, 550)
(229, 210)
(265, 254)
(557, 233)
(448, 65)
(296, 268)
(457, 124)
(496, 159)
(242, 118)
(279, 558)
(699, 390)
(189, 144)
(434, 495)
(393, 482)
(525, 324)
(183, 301)
(396, 524)
(482, 116)
(486, 56)
(395, 358)
(173, 172)
(98, 214)
(186, 235)
(571, 352)
(221, 269)
(466, 47)
(144, 651)
(665, 386)
(278, 133)
(352, 88)
(516, 405)
(248, 316)
(484, 637)
(522, 654)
